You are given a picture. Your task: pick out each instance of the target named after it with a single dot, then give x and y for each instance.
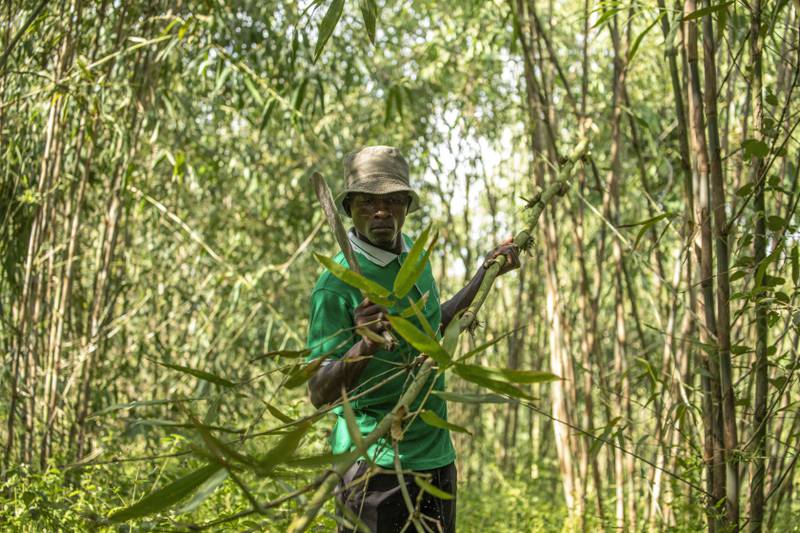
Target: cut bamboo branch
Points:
(397, 414)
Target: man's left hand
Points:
(510, 251)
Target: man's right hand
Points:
(325, 386)
(370, 320)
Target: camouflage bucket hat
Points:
(376, 170)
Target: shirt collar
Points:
(374, 254)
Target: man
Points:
(378, 197)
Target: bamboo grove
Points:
(159, 235)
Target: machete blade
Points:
(325, 198)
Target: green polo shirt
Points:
(333, 303)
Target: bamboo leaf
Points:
(646, 225)
(639, 38)
(420, 340)
(303, 373)
(316, 461)
(202, 374)
(602, 19)
(597, 443)
(508, 375)
(204, 491)
(218, 450)
(486, 345)
(492, 384)
(432, 489)
(274, 411)
(369, 12)
(254, 92)
(412, 266)
(143, 403)
(375, 292)
(410, 311)
(470, 398)
(432, 419)
(417, 311)
(327, 26)
(267, 113)
(167, 496)
(289, 354)
(707, 11)
(284, 449)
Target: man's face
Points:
(380, 217)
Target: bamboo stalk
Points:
(712, 411)
(760, 418)
(717, 185)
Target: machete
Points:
(325, 198)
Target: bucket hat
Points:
(376, 170)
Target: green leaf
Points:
(369, 12)
(508, 375)
(284, 449)
(606, 16)
(327, 26)
(795, 264)
(646, 225)
(204, 491)
(754, 147)
(486, 345)
(432, 419)
(254, 92)
(375, 292)
(707, 11)
(426, 326)
(433, 490)
(410, 311)
(775, 223)
(470, 398)
(739, 349)
(274, 411)
(299, 94)
(773, 281)
(387, 112)
(420, 340)
(316, 461)
(143, 403)
(206, 376)
(216, 450)
(288, 354)
(771, 98)
(492, 384)
(739, 274)
(303, 373)
(267, 113)
(167, 496)
(744, 190)
(639, 38)
(413, 265)
(597, 443)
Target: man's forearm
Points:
(462, 298)
(325, 386)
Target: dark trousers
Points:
(376, 499)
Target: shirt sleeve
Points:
(330, 325)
